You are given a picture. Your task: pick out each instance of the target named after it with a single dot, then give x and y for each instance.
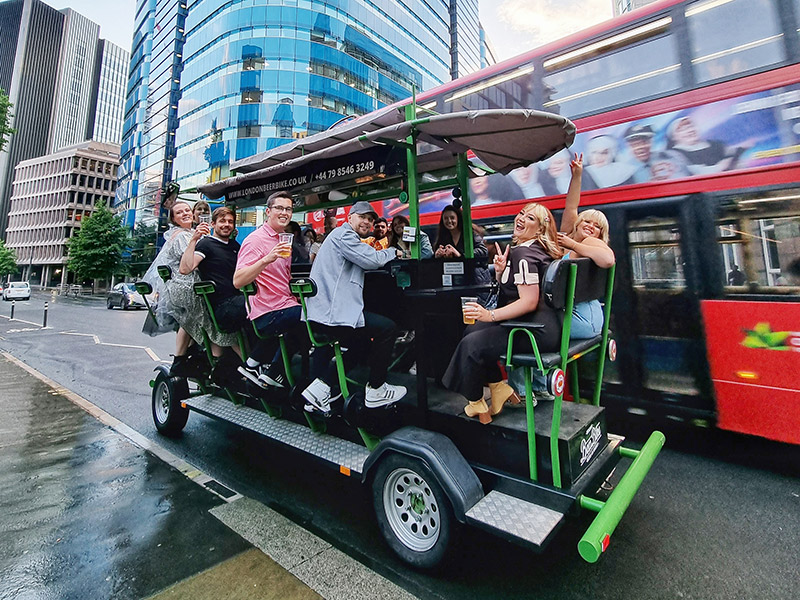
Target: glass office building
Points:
(257, 74)
(151, 107)
(253, 74)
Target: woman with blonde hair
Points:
(584, 235)
(519, 271)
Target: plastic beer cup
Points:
(286, 238)
(204, 219)
(464, 300)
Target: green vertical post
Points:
(555, 426)
(601, 359)
(462, 173)
(413, 184)
(531, 424)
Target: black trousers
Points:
(376, 339)
(475, 361)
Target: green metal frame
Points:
(567, 361)
(303, 289)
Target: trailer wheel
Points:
(168, 414)
(413, 512)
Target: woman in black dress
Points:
(519, 271)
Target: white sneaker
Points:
(318, 397)
(384, 395)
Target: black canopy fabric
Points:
(502, 139)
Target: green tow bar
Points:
(609, 513)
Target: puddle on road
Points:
(86, 514)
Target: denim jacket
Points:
(338, 271)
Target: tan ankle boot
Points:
(479, 409)
(501, 392)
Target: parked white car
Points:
(17, 290)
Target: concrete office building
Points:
(624, 6)
(48, 68)
(51, 196)
(256, 74)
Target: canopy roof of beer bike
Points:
(375, 147)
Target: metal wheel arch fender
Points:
(440, 455)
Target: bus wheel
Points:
(413, 513)
(168, 414)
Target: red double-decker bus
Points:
(688, 115)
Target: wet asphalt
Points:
(85, 514)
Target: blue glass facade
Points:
(258, 73)
(243, 76)
(151, 108)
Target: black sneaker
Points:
(254, 374)
(180, 366)
(273, 376)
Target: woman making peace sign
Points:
(519, 271)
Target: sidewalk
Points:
(87, 514)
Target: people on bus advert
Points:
(602, 165)
(703, 156)
(177, 302)
(380, 235)
(489, 189)
(653, 165)
(337, 311)
(265, 260)
(399, 223)
(519, 270)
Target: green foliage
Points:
(95, 252)
(8, 261)
(5, 119)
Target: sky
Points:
(513, 26)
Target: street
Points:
(717, 517)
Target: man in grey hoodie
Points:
(337, 311)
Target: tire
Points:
(168, 414)
(109, 304)
(413, 512)
(123, 303)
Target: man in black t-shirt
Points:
(214, 256)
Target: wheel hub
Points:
(412, 510)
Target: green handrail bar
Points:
(601, 359)
(597, 537)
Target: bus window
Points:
(669, 341)
(722, 47)
(647, 69)
(508, 90)
(759, 238)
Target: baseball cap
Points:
(639, 131)
(363, 208)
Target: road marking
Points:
(22, 321)
(96, 339)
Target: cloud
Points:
(517, 26)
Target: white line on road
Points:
(96, 339)
(22, 321)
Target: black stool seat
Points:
(551, 359)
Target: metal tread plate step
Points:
(521, 520)
(343, 453)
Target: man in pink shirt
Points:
(273, 309)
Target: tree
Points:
(8, 261)
(5, 119)
(95, 251)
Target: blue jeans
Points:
(285, 321)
